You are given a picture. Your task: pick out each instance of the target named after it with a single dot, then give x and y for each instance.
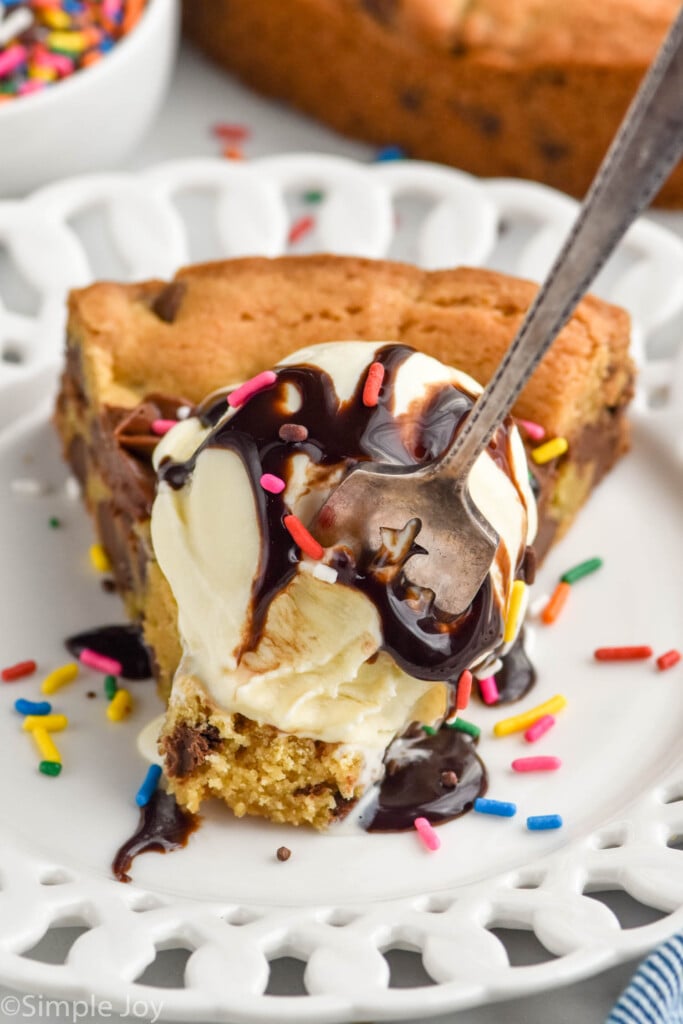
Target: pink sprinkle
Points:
(12, 58)
(62, 64)
(163, 426)
(250, 388)
(536, 764)
(100, 662)
(272, 483)
(427, 834)
(533, 430)
(540, 727)
(34, 85)
(489, 690)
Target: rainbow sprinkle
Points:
(550, 450)
(498, 808)
(517, 723)
(42, 43)
(60, 677)
(427, 834)
(149, 785)
(100, 662)
(543, 822)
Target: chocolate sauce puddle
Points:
(340, 435)
(123, 643)
(413, 786)
(163, 826)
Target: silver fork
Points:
(459, 543)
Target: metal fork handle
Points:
(647, 146)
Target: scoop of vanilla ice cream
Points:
(317, 663)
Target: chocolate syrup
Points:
(517, 675)
(416, 783)
(163, 826)
(123, 643)
(339, 436)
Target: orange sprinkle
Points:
(373, 384)
(233, 153)
(300, 535)
(552, 610)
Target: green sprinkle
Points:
(581, 570)
(54, 522)
(462, 726)
(429, 730)
(110, 687)
(314, 197)
(50, 767)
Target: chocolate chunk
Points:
(90, 694)
(553, 151)
(383, 11)
(411, 99)
(449, 780)
(283, 853)
(186, 748)
(529, 566)
(292, 432)
(488, 123)
(108, 585)
(169, 300)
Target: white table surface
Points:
(200, 96)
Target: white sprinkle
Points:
(72, 488)
(537, 605)
(183, 411)
(14, 24)
(325, 573)
(489, 668)
(28, 486)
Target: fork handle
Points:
(647, 146)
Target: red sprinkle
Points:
(231, 132)
(161, 427)
(300, 228)
(427, 834)
(462, 694)
(668, 660)
(373, 384)
(300, 535)
(623, 653)
(18, 671)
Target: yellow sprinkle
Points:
(44, 74)
(519, 722)
(56, 19)
(60, 677)
(99, 558)
(51, 723)
(120, 706)
(550, 450)
(74, 42)
(514, 608)
(48, 751)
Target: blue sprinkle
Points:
(389, 153)
(106, 44)
(543, 822)
(31, 707)
(146, 790)
(498, 807)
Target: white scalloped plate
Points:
(342, 900)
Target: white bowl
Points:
(95, 118)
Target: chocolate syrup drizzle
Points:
(413, 785)
(425, 643)
(163, 826)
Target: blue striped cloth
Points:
(655, 995)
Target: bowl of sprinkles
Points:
(80, 82)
